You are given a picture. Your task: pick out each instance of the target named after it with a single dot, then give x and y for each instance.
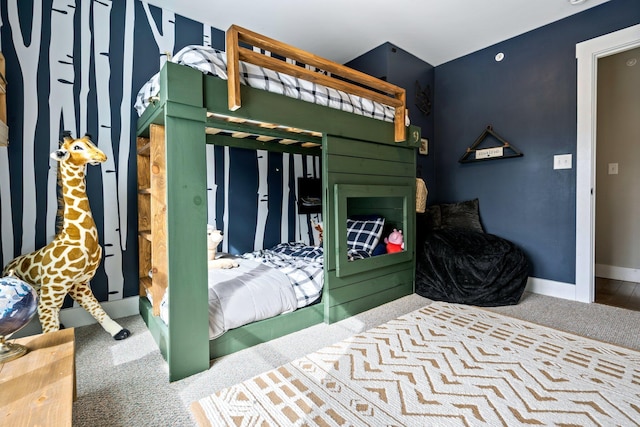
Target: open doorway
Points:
(617, 195)
(588, 53)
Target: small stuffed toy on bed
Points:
(395, 241)
(214, 237)
(317, 232)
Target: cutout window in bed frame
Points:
(389, 201)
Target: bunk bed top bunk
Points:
(337, 86)
(191, 109)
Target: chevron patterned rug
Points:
(444, 364)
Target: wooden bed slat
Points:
(310, 144)
(375, 89)
(217, 125)
(265, 138)
(236, 123)
(268, 125)
(240, 134)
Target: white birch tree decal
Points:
(263, 198)
(28, 58)
(225, 215)
(212, 187)
(6, 217)
(206, 35)
(313, 165)
(111, 236)
(85, 66)
(301, 227)
(61, 97)
(284, 224)
(165, 39)
(125, 140)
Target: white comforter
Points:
(248, 293)
(265, 284)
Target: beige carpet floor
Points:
(443, 364)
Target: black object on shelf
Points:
(309, 195)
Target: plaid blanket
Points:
(302, 264)
(214, 62)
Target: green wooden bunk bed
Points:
(368, 166)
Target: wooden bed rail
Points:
(375, 90)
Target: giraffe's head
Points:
(78, 151)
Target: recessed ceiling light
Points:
(631, 62)
(499, 56)
(576, 2)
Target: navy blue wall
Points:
(530, 100)
(401, 68)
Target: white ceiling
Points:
(435, 31)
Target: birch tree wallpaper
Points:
(77, 66)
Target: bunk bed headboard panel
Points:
(369, 172)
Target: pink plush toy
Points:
(395, 241)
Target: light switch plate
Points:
(613, 169)
(562, 161)
(424, 146)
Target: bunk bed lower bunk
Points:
(366, 169)
(260, 285)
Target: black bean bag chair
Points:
(458, 262)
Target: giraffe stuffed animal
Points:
(69, 262)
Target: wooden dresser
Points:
(38, 389)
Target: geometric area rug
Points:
(444, 364)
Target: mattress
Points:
(266, 283)
(214, 62)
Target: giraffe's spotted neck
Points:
(78, 223)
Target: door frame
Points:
(587, 54)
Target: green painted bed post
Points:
(185, 141)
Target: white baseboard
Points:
(551, 288)
(77, 316)
(618, 273)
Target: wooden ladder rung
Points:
(146, 234)
(146, 283)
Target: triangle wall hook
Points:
(503, 151)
